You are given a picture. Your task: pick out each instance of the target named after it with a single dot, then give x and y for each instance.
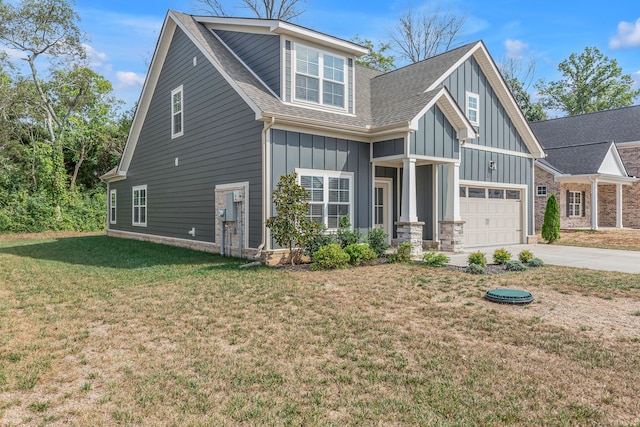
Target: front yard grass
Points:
(103, 331)
(608, 238)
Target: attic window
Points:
(473, 108)
(319, 77)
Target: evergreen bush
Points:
(477, 258)
(525, 256)
(501, 256)
(377, 240)
(330, 257)
(360, 253)
(551, 224)
(476, 269)
(515, 265)
(435, 259)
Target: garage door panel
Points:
(491, 221)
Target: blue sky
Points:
(122, 34)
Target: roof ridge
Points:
(587, 114)
(578, 145)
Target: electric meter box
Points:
(230, 214)
(238, 196)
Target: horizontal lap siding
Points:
(221, 144)
(261, 52)
(291, 150)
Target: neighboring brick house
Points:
(591, 164)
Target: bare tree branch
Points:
(213, 7)
(285, 10)
(421, 34)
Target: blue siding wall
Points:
(386, 172)
(290, 150)
(221, 144)
(390, 147)
(261, 52)
(424, 190)
(496, 128)
(435, 136)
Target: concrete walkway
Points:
(569, 256)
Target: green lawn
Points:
(103, 331)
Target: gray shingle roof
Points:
(618, 125)
(578, 144)
(381, 99)
(578, 159)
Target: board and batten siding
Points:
(392, 173)
(435, 136)
(496, 128)
(389, 147)
(261, 53)
(221, 145)
(291, 150)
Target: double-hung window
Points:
(330, 196)
(112, 206)
(473, 108)
(319, 77)
(575, 203)
(177, 112)
(139, 214)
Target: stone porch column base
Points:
(451, 236)
(411, 232)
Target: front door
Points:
(382, 206)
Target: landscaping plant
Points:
(515, 265)
(330, 257)
(403, 253)
(535, 262)
(551, 224)
(377, 240)
(477, 258)
(345, 235)
(360, 253)
(476, 269)
(501, 256)
(525, 256)
(435, 259)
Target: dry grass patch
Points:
(610, 238)
(100, 331)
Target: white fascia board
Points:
(600, 178)
(497, 150)
(628, 144)
(266, 26)
(546, 168)
(453, 113)
(157, 62)
(489, 68)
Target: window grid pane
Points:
(335, 212)
(307, 88)
(307, 61)
(333, 68)
(333, 94)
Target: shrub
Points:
(477, 258)
(403, 253)
(360, 253)
(501, 256)
(435, 259)
(345, 235)
(515, 265)
(476, 269)
(330, 257)
(535, 262)
(525, 256)
(316, 240)
(377, 240)
(551, 224)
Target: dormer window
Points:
(319, 77)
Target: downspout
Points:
(265, 198)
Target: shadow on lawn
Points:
(110, 252)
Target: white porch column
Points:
(594, 205)
(618, 205)
(452, 209)
(409, 211)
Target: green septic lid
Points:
(509, 296)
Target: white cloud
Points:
(628, 35)
(129, 79)
(516, 49)
(96, 59)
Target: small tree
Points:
(291, 227)
(551, 225)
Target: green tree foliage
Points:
(532, 111)
(59, 124)
(375, 58)
(591, 82)
(551, 224)
(518, 74)
(290, 227)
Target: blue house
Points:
(436, 153)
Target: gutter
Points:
(267, 127)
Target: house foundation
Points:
(451, 236)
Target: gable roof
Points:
(583, 159)
(618, 125)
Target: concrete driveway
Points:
(569, 256)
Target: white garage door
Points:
(493, 216)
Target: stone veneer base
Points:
(411, 232)
(452, 236)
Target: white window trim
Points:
(320, 77)
(578, 205)
(540, 187)
(325, 188)
(175, 134)
(113, 206)
(133, 206)
(477, 110)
